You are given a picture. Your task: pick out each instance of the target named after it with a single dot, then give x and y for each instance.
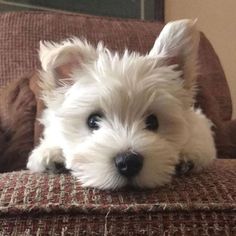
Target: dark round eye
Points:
(151, 123)
(93, 121)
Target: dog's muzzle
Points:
(129, 164)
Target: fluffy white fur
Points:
(78, 79)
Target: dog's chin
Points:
(99, 171)
(101, 181)
(118, 181)
(111, 179)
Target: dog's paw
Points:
(57, 168)
(194, 162)
(183, 167)
(46, 159)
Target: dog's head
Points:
(121, 119)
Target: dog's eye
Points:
(93, 121)
(151, 123)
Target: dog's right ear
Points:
(178, 43)
(58, 61)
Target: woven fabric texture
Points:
(42, 204)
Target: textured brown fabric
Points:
(17, 117)
(211, 80)
(226, 139)
(42, 204)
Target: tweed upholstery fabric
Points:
(42, 204)
(20, 34)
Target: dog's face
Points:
(121, 119)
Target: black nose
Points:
(129, 164)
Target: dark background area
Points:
(139, 9)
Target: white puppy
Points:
(123, 119)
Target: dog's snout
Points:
(129, 164)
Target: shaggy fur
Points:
(79, 80)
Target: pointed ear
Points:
(179, 41)
(58, 61)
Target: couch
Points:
(50, 204)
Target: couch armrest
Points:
(17, 117)
(226, 139)
(231, 127)
(46, 204)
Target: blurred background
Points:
(143, 9)
(216, 18)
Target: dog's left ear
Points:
(59, 61)
(178, 43)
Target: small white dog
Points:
(117, 120)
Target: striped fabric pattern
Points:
(47, 204)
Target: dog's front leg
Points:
(200, 150)
(46, 158)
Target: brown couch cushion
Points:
(17, 117)
(42, 204)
